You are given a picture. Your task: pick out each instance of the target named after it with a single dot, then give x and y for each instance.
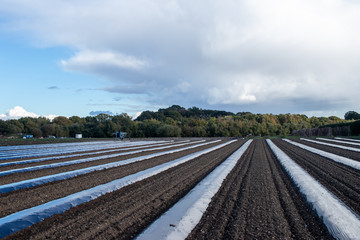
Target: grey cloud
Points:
(135, 89)
(131, 109)
(95, 113)
(53, 88)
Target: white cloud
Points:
(224, 53)
(137, 114)
(19, 112)
(50, 116)
(91, 61)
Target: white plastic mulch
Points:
(332, 145)
(339, 141)
(348, 139)
(65, 149)
(90, 159)
(341, 221)
(343, 160)
(35, 160)
(49, 145)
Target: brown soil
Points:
(14, 201)
(125, 213)
(258, 200)
(341, 180)
(338, 151)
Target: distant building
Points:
(78, 135)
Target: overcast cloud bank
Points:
(260, 56)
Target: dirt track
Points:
(342, 180)
(124, 213)
(259, 201)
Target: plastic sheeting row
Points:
(35, 160)
(69, 149)
(332, 145)
(341, 221)
(343, 160)
(31, 146)
(348, 139)
(338, 141)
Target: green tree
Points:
(48, 130)
(168, 131)
(14, 126)
(352, 115)
(62, 121)
(3, 127)
(76, 128)
(36, 132)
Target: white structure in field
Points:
(79, 135)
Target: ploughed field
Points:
(184, 188)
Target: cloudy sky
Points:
(83, 57)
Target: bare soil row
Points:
(258, 200)
(125, 213)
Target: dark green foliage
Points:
(352, 115)
(355, 128)
(168, 131)
(177, 113)
(3, 127)
(174, 121)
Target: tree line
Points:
(174, 121)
